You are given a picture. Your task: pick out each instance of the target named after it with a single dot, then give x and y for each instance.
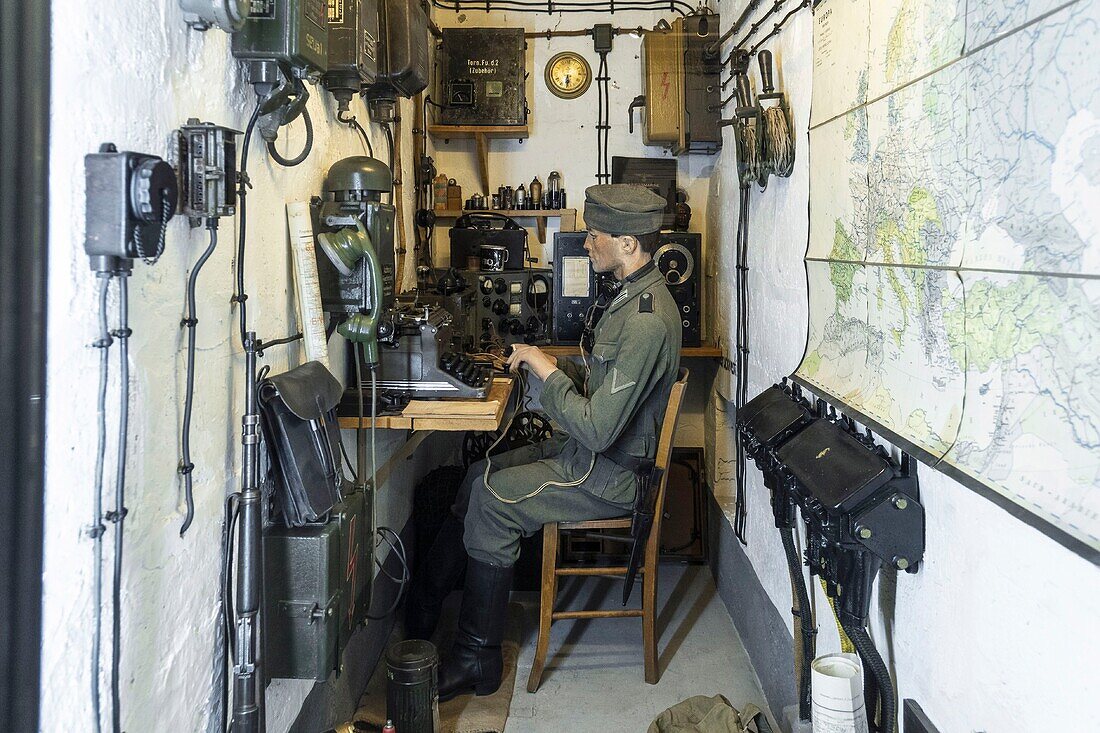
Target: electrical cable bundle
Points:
(775, 138)
(186, 467)
(603, 121)
(741, 393)
(117, 515)
(776, 143)
(749, 165)
(553, 6)
(878, 687)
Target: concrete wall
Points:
(130, 72)
(995, 631)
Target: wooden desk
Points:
(446, 414)
(707, 350)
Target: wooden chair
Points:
(551, 571)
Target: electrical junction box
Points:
(207, 167)
(293, 33)
(127, 196)
(483, 80)
(403, 53)
(352, 45)
(682, 86)
(356, 559)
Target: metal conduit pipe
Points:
(804, 615)
(883, 687)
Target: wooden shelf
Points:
(492, 132)
(568, 217)
(705, 351)
(455, 415)
(481, 134)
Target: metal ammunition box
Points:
(303, 576)
(483, 76)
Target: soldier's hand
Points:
(540, 364)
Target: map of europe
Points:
(954, 250)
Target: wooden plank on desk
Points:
(707, 350)
(451, 409)
(454, 415)
(383, 422)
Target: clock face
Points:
(568, 75)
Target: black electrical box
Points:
(403, 51)
(352, 45)
(483, 76)
(128, 195)
(291, 32)
(702, 84)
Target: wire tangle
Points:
(776, 144)
(749, 164)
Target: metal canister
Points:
(412, 693)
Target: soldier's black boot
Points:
(475, 662)
(438, 575)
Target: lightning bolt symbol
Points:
(664, 84)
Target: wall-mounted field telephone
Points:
(130, 197)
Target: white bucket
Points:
(837, 683)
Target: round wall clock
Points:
(568, 75)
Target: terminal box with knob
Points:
(127, 195)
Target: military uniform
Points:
(608, 410)
(610, 425)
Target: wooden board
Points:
(707, 350)
(456, 415)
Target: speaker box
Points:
(575, 287)
(678, 259)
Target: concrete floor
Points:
(594, 675)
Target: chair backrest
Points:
(664, 453)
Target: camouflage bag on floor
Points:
(702, 714)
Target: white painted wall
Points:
(997, 631)
(562, 132)
(563, 138)
(130, 72)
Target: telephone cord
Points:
(300, 157)
(350, 121)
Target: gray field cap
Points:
(623, 208)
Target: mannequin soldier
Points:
(609, 411)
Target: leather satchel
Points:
(298, 411)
